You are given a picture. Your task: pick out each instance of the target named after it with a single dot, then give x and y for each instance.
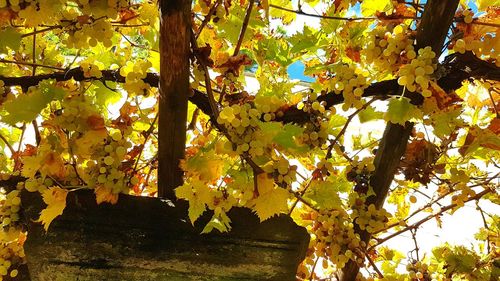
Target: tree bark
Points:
(432, 30)
(174, 92)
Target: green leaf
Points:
(104, 95)
(324, 194)
(220, 222)
(400, 110)
(286, 136)
(369, 114)
(10, 38)
(26, 107)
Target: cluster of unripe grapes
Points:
(84, 34)
(75, 114)
(282, 172)
(134, 74)
(418, 271)
(351, 83)
(242, 124)
(315, 134)
(416, 75)
(269, 107)
(334, 238)
(370, 218)
(11, 251)
(10, 205)
(38, 184)
(389, 47)
(106, 170)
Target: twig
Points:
(380, 275)
(31, 64)
(11, 149)
(207, 18)
(244, 27)
(342, 132)
(420, 222)
(414, 237)
(485, 223)
(333, 17)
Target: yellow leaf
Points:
(55, 198)
(53, 164)
(104, 194)
(272, 200)
(83, 145)
(198, 194)
(31, 164)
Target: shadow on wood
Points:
(144, 238)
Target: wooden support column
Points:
(175, 31)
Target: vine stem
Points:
(244, 27)
(9, 146)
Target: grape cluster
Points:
(316, 130)
(38, 184)
(349, 81)
(324, 169)
(370, 218)
(359, 172)
(242, 124)
(107, 171)
(9, 207)
(11, 238)
(416, 75)
(483, 47)
(269, 107)
(418, 271)
(390, 47)
(282, 172)
(85, 32)
(334, 238)
(468, 15)
(134, 76)
(75, 114)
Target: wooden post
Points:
(175, 31)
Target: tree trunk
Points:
(175, 30)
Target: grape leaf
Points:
(369, 114)
(10, 38)
(324, 194)
(221, 222)
(55, 198)
(286, 136)
(104, 95)
(400, 110)
(26, 107)
(104, 194)
(272, 200)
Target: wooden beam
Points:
(175, 28)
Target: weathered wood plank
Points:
(146, 239)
